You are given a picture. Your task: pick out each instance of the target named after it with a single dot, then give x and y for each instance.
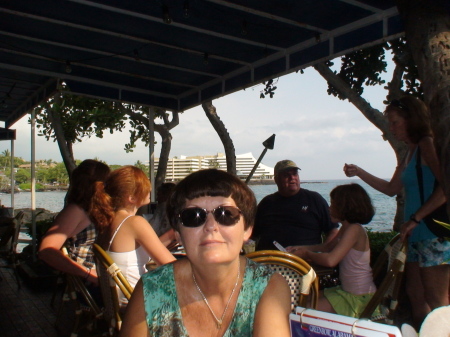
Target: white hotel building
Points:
(179, 167)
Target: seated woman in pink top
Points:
(127, 237)
(351, 206)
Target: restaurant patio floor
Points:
(28, 311)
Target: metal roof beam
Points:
(119, 35)
(107, 70)
(176, 24)
(106, 54)
(267, 15)
(83, 80)
(362, 5)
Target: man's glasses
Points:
(196, 216)
(396, 103)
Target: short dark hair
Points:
(416, 114)
(352, 203)
(213, 183)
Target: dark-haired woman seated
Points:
(73, 226)
(351, 206)
(214, 291)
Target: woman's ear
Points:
(248, 233)
(178, 237)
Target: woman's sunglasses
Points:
(196, 216)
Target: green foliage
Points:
(139, 120)
(378, 240)
(142, 166)
(213, 163)
(362, 67)
(22, 176)
(5, 161)
(365, 67)
(114, 167)
(27, 186)
(402, 55)
(58, 174)
(80, 117)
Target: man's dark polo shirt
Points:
(296, 220)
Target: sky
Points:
(317, 131)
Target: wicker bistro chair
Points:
(85, 306)
(8, 243)
(388, 276)
(110, 277)
(300, 275)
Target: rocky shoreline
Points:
(41, 214)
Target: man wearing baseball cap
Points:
(293, 215)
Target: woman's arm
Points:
(135, 323)
(390, 188)
(332, 258)
(69, 222)
(146, 237)
(274, 307)
(436, 199)
(322, 247)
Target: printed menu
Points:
(314, 323)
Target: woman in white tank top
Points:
(129, 239)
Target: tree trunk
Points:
(166, 144)
(211, 113)
(64, 147)
(374, 116)
(427, 29)
(166, 138)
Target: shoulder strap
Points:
(115, 232)
(419, 174)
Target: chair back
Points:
(75, 287)
(300, 276)
(10, 236)
(388, 276)
(111, 277)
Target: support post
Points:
(33, 182)
(151, 148)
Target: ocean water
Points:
(383, 220)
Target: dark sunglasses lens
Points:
(227, 215)
(193, 217)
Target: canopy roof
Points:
(173, 54)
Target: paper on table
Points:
(280, 247)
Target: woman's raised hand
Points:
(350, 170)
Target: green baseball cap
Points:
(284, 165)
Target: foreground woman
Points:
(214, 291)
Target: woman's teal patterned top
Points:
(163, 311)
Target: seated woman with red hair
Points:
(128, 238)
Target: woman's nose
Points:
(210, 223)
